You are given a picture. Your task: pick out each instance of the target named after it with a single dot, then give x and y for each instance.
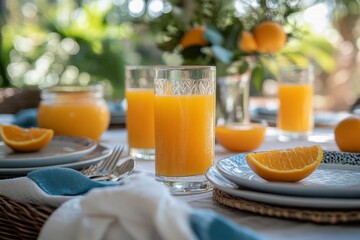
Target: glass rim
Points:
(73, 88)
(135, 67)
(184, 67)
(296, 67)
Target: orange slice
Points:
(288, 165)
(25, 140)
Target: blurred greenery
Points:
(48, 42)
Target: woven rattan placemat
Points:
(311, 215)
(21, 220)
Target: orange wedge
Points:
(288, 165)
(25, 140)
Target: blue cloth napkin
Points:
(208, 225)
(26, 118)
(65, 181)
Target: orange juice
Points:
(295, 111)
(184, 126)
(75, 115)
(140, 118)
(240, 137)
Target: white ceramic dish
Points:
(98, 154)
(220, 182)
(61, 150)
(338, 176)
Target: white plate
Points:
(98, 154)
(218, 181)
(61, 150)
(338, 176)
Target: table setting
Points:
(66, 205)
(329, 195)
(119, 135)
(44, 195)
(187, 175)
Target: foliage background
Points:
(48, 42)
(61, 41)
(224, 25)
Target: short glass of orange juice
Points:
(184, 126)
(74, 110)
(139, 92)
(295, 118)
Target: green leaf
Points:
(257, 76)
(191, 52)
(233, 36)
(244, 66)
(213, 36)
(222, 54)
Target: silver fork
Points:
(107, 165)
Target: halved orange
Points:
(240, 137)
(25, 140)
(287, 165)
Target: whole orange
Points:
(270, 37)
(247, 42)
(347, 134)
(194, 37)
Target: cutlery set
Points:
(109, 169)
(97, 161)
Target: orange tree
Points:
(235, 36)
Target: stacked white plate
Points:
(334, 185)
(62, 151)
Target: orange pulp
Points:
(295, 111)
(240, 137)
(140, 118)
(184, 127)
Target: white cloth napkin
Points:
(23, 189)
(141, 209)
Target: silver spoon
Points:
(120, 171)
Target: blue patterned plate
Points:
(338, 176)
(218, 181)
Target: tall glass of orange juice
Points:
(295, 116)
(184, 126)
(74, 110)
(139, 94)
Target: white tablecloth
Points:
(268, 227)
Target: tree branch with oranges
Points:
(232, 36)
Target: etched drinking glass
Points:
(184, 126)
